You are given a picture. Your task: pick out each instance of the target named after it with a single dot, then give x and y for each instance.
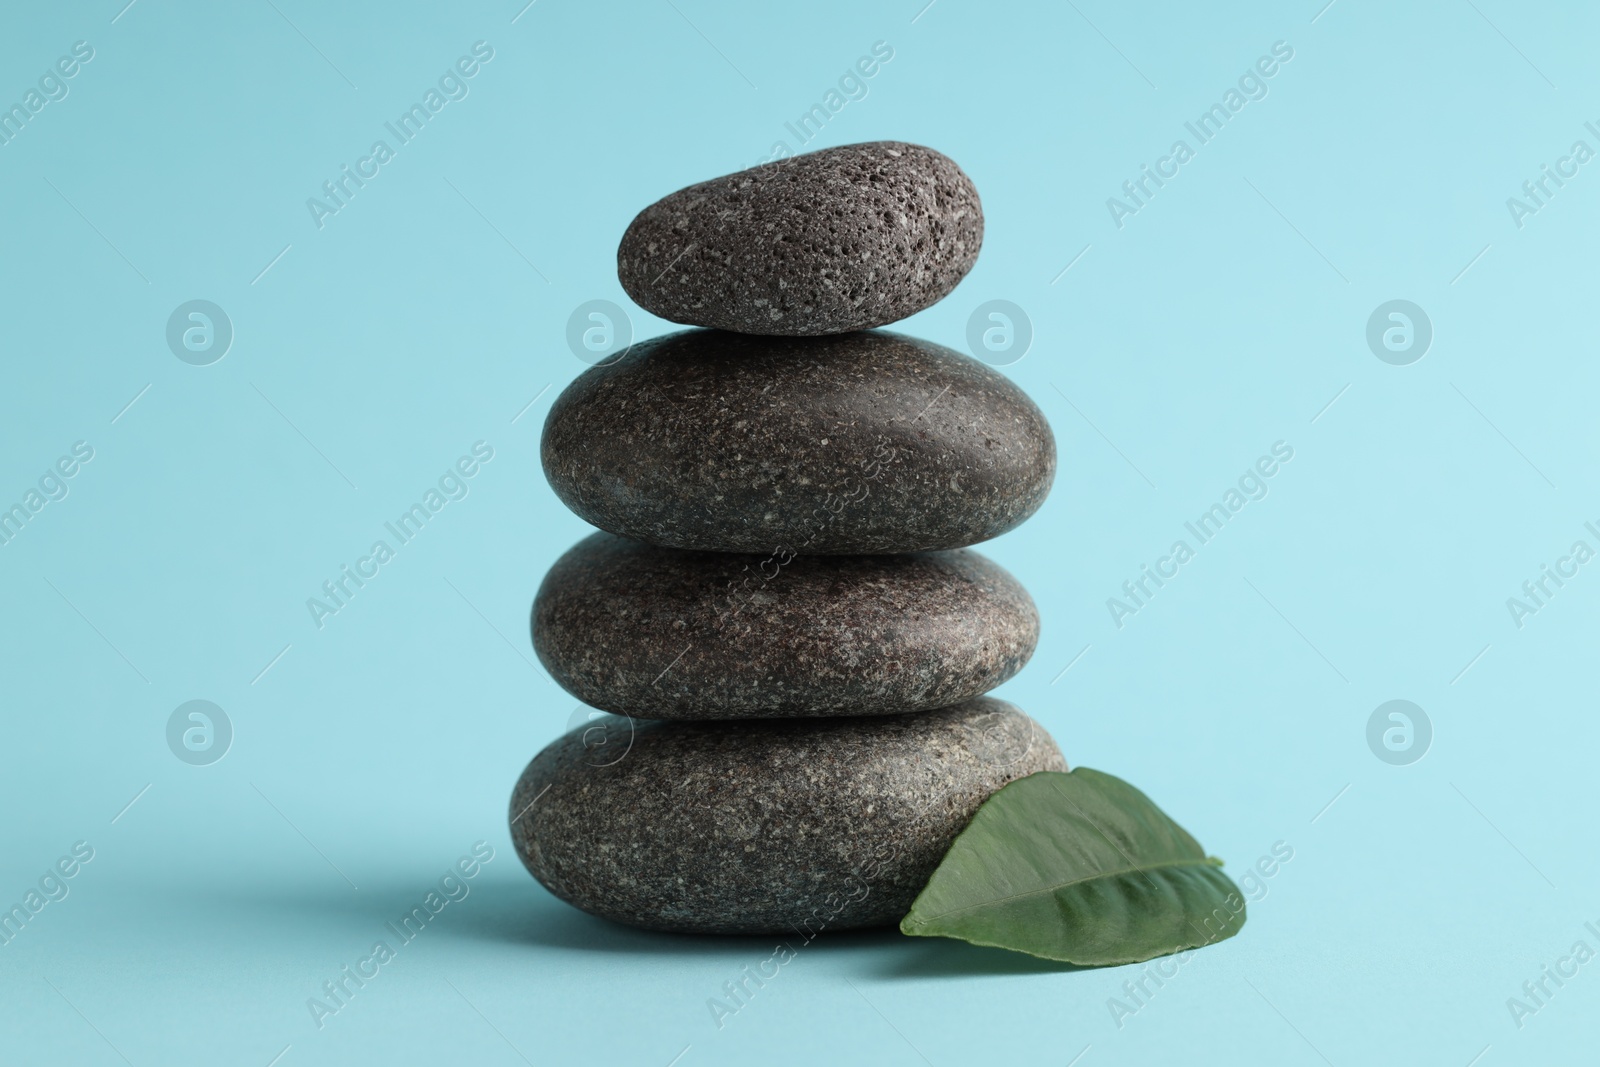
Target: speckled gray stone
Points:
(662, 633)
(768, 826)
(842, 239)
(867, 442)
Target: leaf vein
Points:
(1052, 889)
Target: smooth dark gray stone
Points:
(769, 826)
(862, 443)
(667, 634)
(842, 239)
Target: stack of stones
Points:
(780, 609)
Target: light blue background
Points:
(1223, 317)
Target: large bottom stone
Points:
(764, 826)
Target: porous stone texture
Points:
(662, 633)
(842, 239)
(869, 442)
(766, 826)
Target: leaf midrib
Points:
(1201, 862)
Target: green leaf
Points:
(1081, 867)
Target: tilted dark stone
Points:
(842, 239)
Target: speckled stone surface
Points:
(843, 239)
(867, 442)
(766, 826)
(667, 634)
